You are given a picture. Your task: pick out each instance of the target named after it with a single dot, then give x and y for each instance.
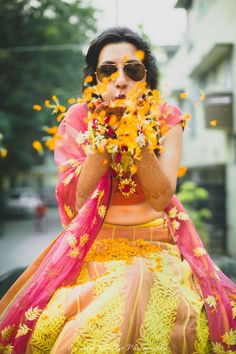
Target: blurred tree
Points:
(192, 197)
(40, 54)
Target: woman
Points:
(127, 274)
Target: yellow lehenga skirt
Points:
(134, 294)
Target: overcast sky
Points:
(161, 21)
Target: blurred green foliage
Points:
(41, 54)
(193, 197)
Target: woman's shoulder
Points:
(76, 111)
(75, 116)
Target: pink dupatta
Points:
(64, 259)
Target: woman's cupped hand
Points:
(105, 106)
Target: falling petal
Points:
(140, 55)
(71, 100)
(214, 122)
(187, 116)
(52, 130)
(202, 95)
(182, 171)
(37, 146)
(47, 104)
(55, 99)
(88, 79)
(37, 107)
(183, 95)
(60, 117)
(3, 152)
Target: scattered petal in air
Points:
(114, 76)
(47, 104)
(214, 122)
(183, 95)
(50, 144)
(197, 104)
(60, 117)
(202, 95)
(38, 146)
(187, 116)
(55, 99)
(88, 79)
(71, 100)
(37, 107)
(140, 54)
(3, 152)
(51, 130)
(182, 171)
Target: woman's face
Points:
(118, 53)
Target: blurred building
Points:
(204, 66)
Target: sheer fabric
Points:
(61, 264)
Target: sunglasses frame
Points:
(123, 65)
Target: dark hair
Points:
(115, 35)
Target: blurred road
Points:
(21, 243)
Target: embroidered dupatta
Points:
(60, 264)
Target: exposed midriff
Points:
(131, 210)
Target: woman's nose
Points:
(121, 81)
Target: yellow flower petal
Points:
(3, 152)
(71, 100)
(140, 55)
(37, 107)
(183, 95)
(60, 117)
(37, 146)
(88, 79)
(214, 122)
(182, 171)
(52, 130)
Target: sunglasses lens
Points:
(104, 71)
(135, 71)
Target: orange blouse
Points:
(118, 198)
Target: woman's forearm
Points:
(155, 184)
(94, 167)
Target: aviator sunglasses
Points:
(135, 71)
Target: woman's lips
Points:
(120, 96)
